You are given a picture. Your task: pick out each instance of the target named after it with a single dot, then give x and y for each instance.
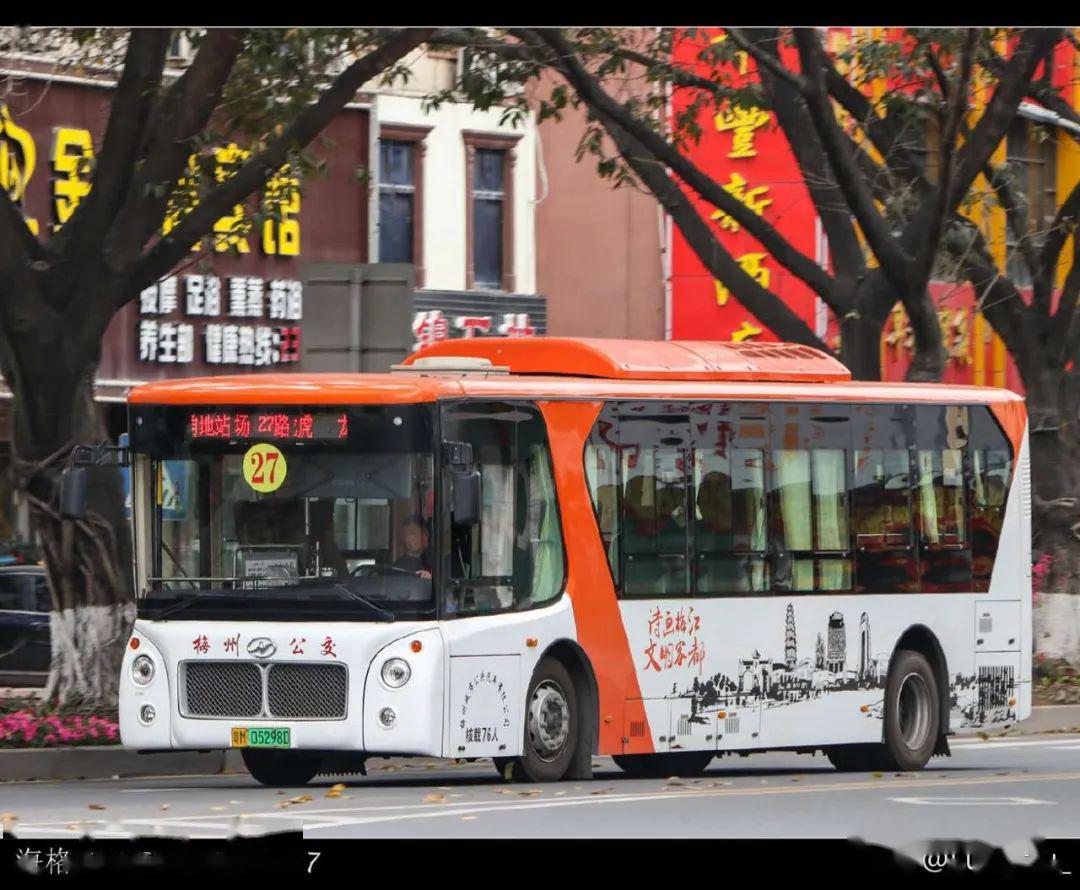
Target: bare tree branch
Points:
(767, 60)
(612, 112)
(254, 173)
(129, 114)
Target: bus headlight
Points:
(142, 670)
(396, 672)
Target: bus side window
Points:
(730, 531)
(810, 541)
(881, 499)
(602, 476)
(991, 476)
(941, 499)
(654, 442)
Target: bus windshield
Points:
(285, 509)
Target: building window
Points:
(1031, 153)
(401, 190)
(489, 178)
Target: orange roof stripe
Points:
(647, 359)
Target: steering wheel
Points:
(380, 568)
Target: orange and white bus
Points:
(537, 550)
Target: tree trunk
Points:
(1055, 477)
(860, 330)
(88, 562)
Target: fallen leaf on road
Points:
(983, 736)
(529, 793)
(796, 779)
(72, 827)
(435, 798)
(559, 793)
(429, 766)
(96, 806)
(335, 790)
(279, 792)
(216, 809)
(1002, 774)
(467, 818)
(164, 806)
(234, 802)
(878, 775)
(673, 781)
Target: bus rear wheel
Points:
(660, 766)
(912, 721)
(281, 769)
(552, 727)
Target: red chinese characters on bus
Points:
(232, 644)
(328, 647)
(201, 644)
(674, 641)
(298, 645)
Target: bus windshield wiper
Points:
(352, 594)
(177, 607)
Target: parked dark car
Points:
(24, 626)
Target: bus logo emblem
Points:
(261, 647)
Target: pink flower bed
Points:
(25, 729)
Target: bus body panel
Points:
(491, 661)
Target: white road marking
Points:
(994, 744)
(973, 801)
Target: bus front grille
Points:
(310, 691)
(264, 690)
(222, 689)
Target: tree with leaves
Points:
(896, 139)
(272, 90)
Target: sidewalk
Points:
(112, 761)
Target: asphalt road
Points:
(1001, 791)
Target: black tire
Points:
(912, 711)
(912, 721)
(281, 769)
(660, 766)
(548, 747)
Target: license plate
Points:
(261, 737)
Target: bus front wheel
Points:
(278, 769)
(552, 722)
(912, 721)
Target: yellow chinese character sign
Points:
(281, 237)
(753, 265)
(742, 123)
(753, 198)
(71, 156)
(18, 156)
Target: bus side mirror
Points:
(73, 493)
(465, 503)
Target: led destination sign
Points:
(275, 426)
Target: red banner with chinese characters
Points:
(745, 151)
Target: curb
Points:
(105, 762)
(109, 761)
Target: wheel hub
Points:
(913, 707)
(549, 720)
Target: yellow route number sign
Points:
(264, 467)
